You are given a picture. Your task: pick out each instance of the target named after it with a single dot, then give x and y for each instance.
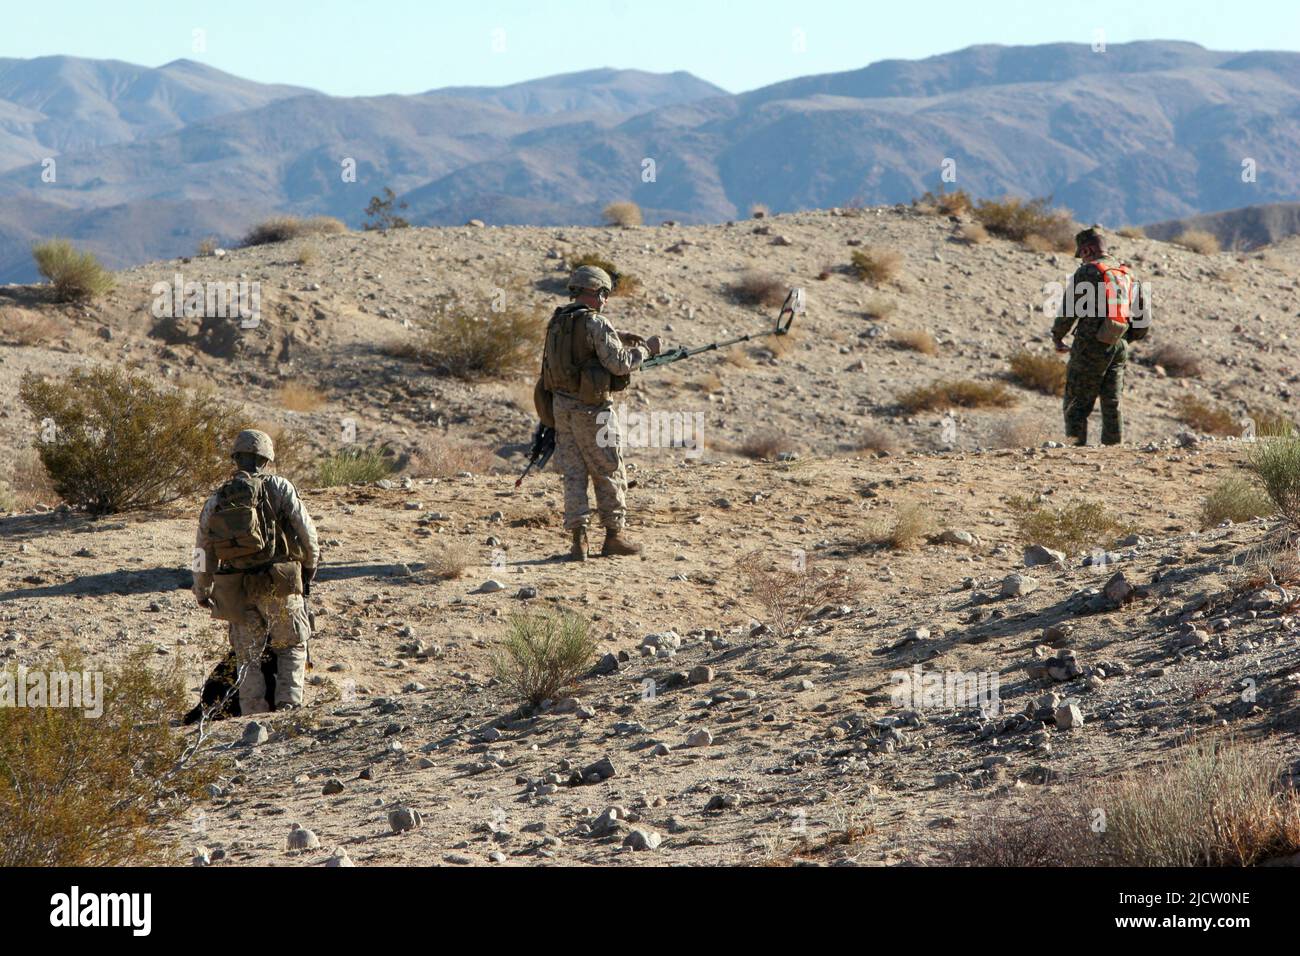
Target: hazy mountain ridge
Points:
(1149, 131)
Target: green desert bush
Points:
(543, 654)
(74, 276)
(1042, 373)
(474, 346)
(284, 228)
(1032, 222)
(354, 466)
(1235, 499)
(961, 393)
(82, 790)
(111, 441)
(1275, 462)
(1075, 527)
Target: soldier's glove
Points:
(307, 575)
(653, 345)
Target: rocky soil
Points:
(703, 735)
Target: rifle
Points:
(541, 452)
(793, 305)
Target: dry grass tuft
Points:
(961, 393)
(440, 457)
(1206, 418)
(622, 214)
(876, 266)
(1042, 373)
(916, 340)
(758, 289)
(1199, 241)
(1073, 528)
(1032, 222)
(284, 228)
(298, 397)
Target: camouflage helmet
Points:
(254, 442)
(590, 279)
(1093, 235)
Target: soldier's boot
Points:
(617, 544)
(578, 550)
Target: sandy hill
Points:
(805, 753)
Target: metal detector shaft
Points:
(793, 305)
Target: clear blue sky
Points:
(363, 47)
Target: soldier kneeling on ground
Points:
(256, 556)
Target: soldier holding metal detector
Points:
(585, 360)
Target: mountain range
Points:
(146, 162)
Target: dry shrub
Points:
(1073, 528)
(208, 246)
(1206, 418)
(543, 654)
(875, 265)
(879, 307)
(354, 466)
(709, 384)
(766, 444)
(284, 228)
(1019, 431)
(972, 233)
(94, 791)
(298, 397)
(308, 253)
(905, 530)
(1199, 241)
(1019, 220)
(874, 438)
(1132, 232)
(75, 276)
(758, 289)
(622, 214)
(24, 328)
(1214, 802)
(791, 589)
(1177, 361)
(472, 346)
(1235, 499)
(1275, 462)
(450, 560)
(1042, 373)
(916, 340)
(441, 457)
(111, 441)
(956, 392)
(738, 358)
(954, 203)
(759, 211)
(29, 484)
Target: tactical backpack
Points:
(242, 527)
(1119, 302)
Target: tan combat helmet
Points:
(590, 279)
(253, 442)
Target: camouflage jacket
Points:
(608, 347)
(291, 516)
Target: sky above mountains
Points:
(345, 48)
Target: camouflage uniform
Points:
(582, 456)
(265, 604)
(1095, 370)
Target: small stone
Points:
(404, 818)
(1036, 555)
(1068, 716)
(491, 586)
(1018, 585)
(638, 839)
(301, 838)
(699, 738)
(340, 858)
(254, 734)
(701, 674)
(602, 769)
(332, 786)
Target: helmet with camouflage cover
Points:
(252, 442)
(590, 279)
